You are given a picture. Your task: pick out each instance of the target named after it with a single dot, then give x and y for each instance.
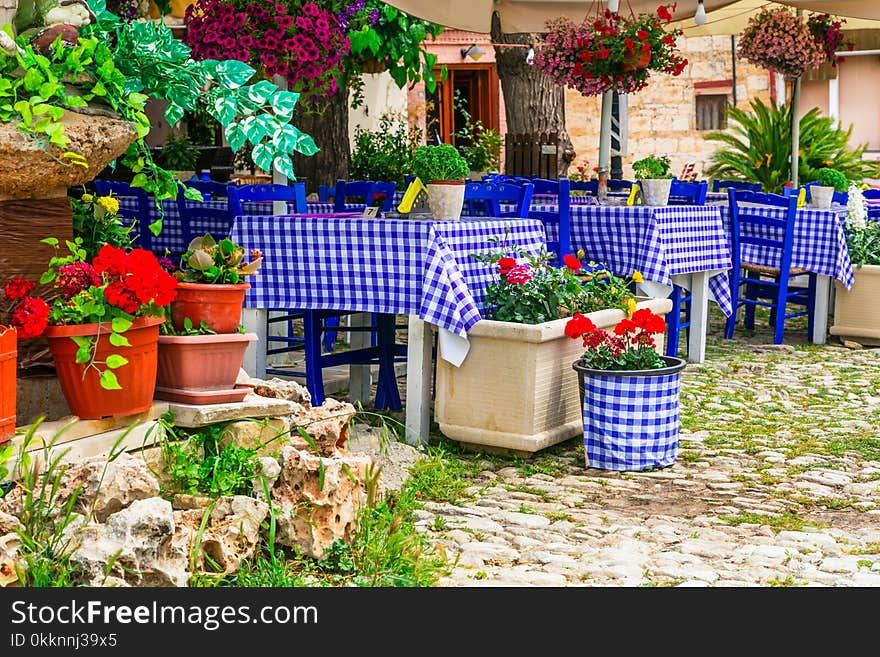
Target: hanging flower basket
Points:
(783, 42)
(610, 52)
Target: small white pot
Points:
(655, 191)
(445, 199)
(821, 196)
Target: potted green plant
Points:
(180, 156)
(857, 310)
(212, 285)
(629, 393)
(829, 181)
(443, 169)
(515, 390)
(102, 328)
(654, 178)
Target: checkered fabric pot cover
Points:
(631, 417)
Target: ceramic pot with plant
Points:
(443, 169)
(629, 393)
(103, 329)
(828, 181)
(212, 286)
(655, 181)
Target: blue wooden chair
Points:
(295, 192)
(141, 217)
(561, 220)
(362, 192)
(617, 185)
(748, 285)
(491, 195)
(325, 193)
(688, 193)
(591, 187)
(721, 185)
(196, 219)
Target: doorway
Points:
(471, 88)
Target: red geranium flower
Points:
(30, 317)
(18, 288)
(572, 263)
(578, 325)
(642, 34)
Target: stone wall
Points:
(662, 117)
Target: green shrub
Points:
(758, 148)
(439, 162)
(179, 154)
(384, 154)
(828, 177)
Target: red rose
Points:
(642, 35)
(663, 13)
(629, 43)
(31, 317)
(519, 275)
(18, 288)
(572, 263)
(506, 264)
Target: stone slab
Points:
(253, 406)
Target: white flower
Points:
(856, 209)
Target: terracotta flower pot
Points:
(8, 355)
(634, 59)
(219, 305)
(82, 388)
(201, 362)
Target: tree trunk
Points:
(329, 129)
(533, 102)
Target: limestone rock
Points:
(269, 471)
(230, 535)
(9, 544)
(282, 389)
(392, 456)
(327, 424)
(28, 170)
(311, 516)
(139, 543)
(266, 437)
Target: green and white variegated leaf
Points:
(235, 136)
(231, 73)
(255, 128)
(224, 109)
(305, 144)
(283, 104)
(173, 113)
(284, 165)
(262, 155)
(261, 92)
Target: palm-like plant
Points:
(758, 148)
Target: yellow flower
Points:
(630, 307)
(87, 198)
(637, 277)
(109, 204)
(580, 254)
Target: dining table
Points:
(420, 268)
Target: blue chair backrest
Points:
(387, 188)
(872, 194)
(295, 192)
(494, 194)
(556, 223)
(363, 190)
(688, 193)
(325, 192)
(748, 226)
(721, 185)
(840, 197)
(141, 216)
(197, 219)
(617, 185)
(788, 191)
(589, 186)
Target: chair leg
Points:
(387, 393)
(749, 311)
(811, 305)
(330, 336)
(734, 291)
(312, 338)
(779, 317)
(673, 322)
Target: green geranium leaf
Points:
(120, 324)
(115, 361)
(118, 340)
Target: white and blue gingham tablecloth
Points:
(660, 242)
(819, 244)
(398, 266)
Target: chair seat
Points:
(772, 271)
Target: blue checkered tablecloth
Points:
(379, 265)
(659, 242)
(819, 244)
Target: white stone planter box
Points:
(516, 389)
(857, 311)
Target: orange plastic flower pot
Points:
(201, 362)
(218, 305)
(8, 356)
(81, 385)
(635, 59)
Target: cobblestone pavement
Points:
(776, 483)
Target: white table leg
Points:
(820, 312)
(359, 376)
(254, 321)
(419, 375)
(699, 317)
